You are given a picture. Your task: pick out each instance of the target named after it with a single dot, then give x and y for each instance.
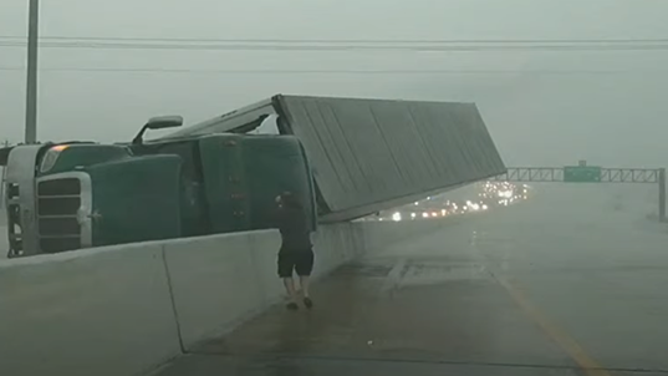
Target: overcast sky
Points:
(536, 118)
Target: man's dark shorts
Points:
(300, 261)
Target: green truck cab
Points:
(229, 181)
(75, 195)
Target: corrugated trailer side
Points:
(371, 155)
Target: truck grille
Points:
(65, 186)
(58, 203)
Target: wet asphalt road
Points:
(537, 289)
(544, 288)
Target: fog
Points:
(542, 107)
(568, 277)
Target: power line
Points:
(322, 48)
(358, 46)
(346, 41)
(336, 71)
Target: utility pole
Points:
(662, 194)
(3, 171)
(31, 84)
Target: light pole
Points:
(31, 83)
(3, 171)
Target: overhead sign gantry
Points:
(583, 173)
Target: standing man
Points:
(296, 251)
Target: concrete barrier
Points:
(122, 310)
(216, 282)
(220, 281)
(102, 312)
(335, 245)
(264, 250)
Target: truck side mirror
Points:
(158, 122)
(161, 122)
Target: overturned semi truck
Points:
(345, 157)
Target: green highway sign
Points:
(582, 174)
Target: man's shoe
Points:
(308, 302)
(292, 306)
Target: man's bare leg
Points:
(304, 281)
(289, 284)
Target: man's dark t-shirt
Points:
(294, 228)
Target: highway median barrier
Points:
(103, 311)
(125, 310)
